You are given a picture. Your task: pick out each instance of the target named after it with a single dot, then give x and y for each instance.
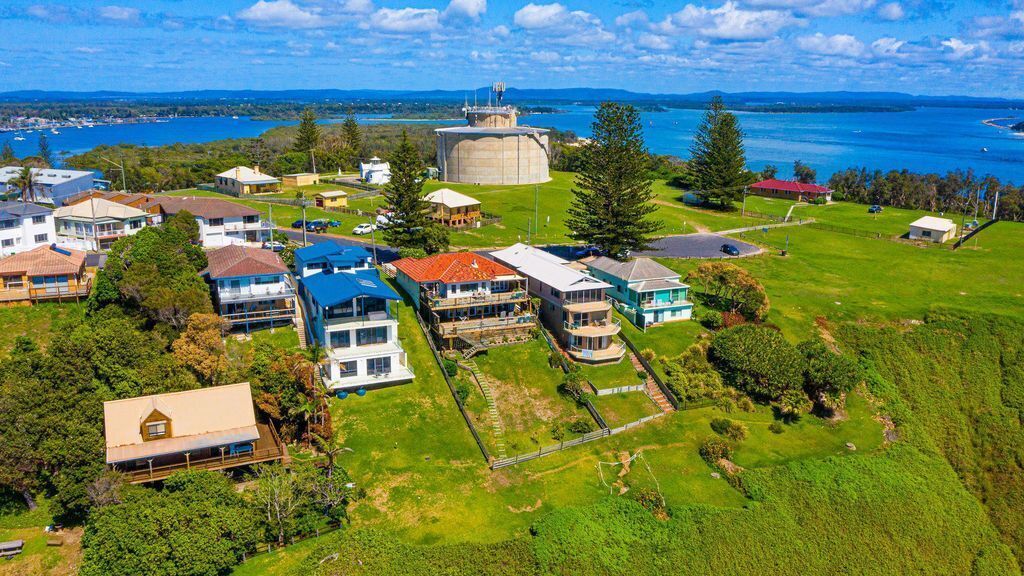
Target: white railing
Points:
(615, 349)
(228, 294)
(242, 226)
(446, 328)
(606, 323)
(366, 318)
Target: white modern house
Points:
(96, 223)
(245, 180)
(350, 315)
(574, 305)
(24, 226)
(375, 171)
(221, 223)
(53, 186)
(932, 229)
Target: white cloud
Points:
(887, 46)
(837, 45)
(88, 50)
(357, 6)
(653, 41)
(816, 7)
(545, 56)
(958, 48)
(534, 16)
(729, 22)
(119, 13)
(404, 20)
(279, 13)
(332, 45)
(471, 9)
(501, 31)
(631, 18)
(892, 11)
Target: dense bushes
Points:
(732, 430)
(731, 288)
(757, 360)
(713, 449)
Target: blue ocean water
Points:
(924, 140)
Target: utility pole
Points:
(536, 196)
(743, 212)
(124, 185)
(373, 241)
(529, 229)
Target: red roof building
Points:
(471, 302)
(788, 189)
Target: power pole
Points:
(536, 220)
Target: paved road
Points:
(700, 245)
(384, 253)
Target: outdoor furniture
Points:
(11, 548)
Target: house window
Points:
(6, 224)
(7, 242)
(40, 238)
(346, 369)
(263, 280)
(370, 336)
(216, 221)
(341, 339)
(250, 219)
(378, 366)
(39, 219)
(926, 233)
(135, 224)
(556, 293)
(156, 429)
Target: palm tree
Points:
(26, 182)
(331, 447)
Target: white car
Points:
(363, 229)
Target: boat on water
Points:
(984, 149)
(54, 131)
(19, 138)
(234, 117)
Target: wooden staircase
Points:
(492, 408)
(300, 324)
(652, 389)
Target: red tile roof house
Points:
(44, 273)
(470, 302)
(221, 223)
(790, 190)
(252, 287)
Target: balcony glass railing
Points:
(596, 326)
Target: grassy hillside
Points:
(956, 387)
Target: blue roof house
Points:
(331, 256)
(647, 292)
(351, 316)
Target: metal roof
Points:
(633, 270)
(547, 268)
(22, 209)
(337, 288)
(934, 223)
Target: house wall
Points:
(335, 202)
(296, 180)
(410, 286)
(79, 234)
(937, 236)
(71, 186)
(230, 231)
(22, 237)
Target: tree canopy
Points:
(758, 360)
(410, 225)
(728, 284)
(717, 158)
(611, 206)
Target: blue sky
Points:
(918, 46)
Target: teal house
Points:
(646, 292)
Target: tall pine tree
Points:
(717, 158)
(308, 137)
(410, 225)
(353, 138)
(45, 153)
(611, 207)
(7, 153)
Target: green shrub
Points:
(745, 404)
(582, 426)
(714, 449)
(827, 375)
(711, 319)
(758, 361)
(690, 376)
(651, 500)
(729, 429)
(450, 367)
(642, 374)
(463, 389)
(412, 253)
(648, 354)
(776, 427)
(557, 433)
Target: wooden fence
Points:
(268, 547)
(564, 363)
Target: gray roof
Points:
(650, 285)
(633, 270)
(498, 131)
(23, 209)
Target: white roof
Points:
(333, 194)
(374, 164)
(198, 419)
(98, 208)
(547, 268)
(450, 198)
(933, 223)
(44, 176)
(247, 175)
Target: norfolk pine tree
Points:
(611, 204)
(410, 226)
(308, 137)
(353, 138)
(717, 159)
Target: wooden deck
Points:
(268, 448)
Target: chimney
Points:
(238, 173)
(256, 168)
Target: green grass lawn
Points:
(33, 321)
(667, 340)
(526, 394)
(624, 407)
(613, 375)
(848, 278)
(17, 523)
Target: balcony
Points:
(605, 327)
(591, 306)
(652, 304)
(453, 329)
(435, 301)
(356, 321)
(245, 226)
(266, 448)
(258, 316)
(248, 294)
(51, 292)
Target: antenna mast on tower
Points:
(499, 90)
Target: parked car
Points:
(874, 209)
(730, 249)
(587, 251)
(273, 246)
(297, 224)
(363, 229)
(316, 226)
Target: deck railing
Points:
(454, 328)
(435, 301)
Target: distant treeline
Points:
(956, 192)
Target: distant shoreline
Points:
(992, 122)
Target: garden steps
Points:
(492, 408)
(652, 389)
(300, 325)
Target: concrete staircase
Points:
(492, 408)
(652, 389)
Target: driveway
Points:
(700, 245)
